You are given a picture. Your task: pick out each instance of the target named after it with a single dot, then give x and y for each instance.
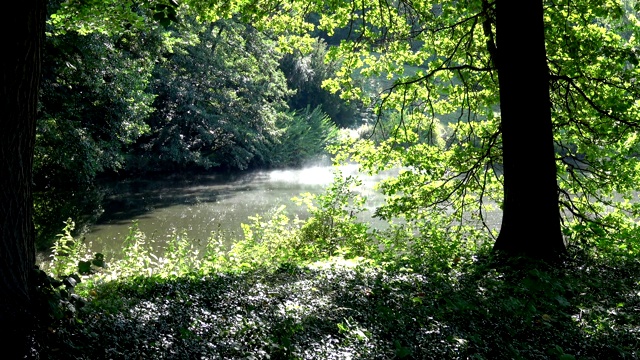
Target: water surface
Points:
(204, 204)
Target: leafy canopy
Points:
(429, 69)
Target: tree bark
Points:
(531, 215)
(22, 38)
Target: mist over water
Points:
(315, 175)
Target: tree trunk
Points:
(531, 215)
(22, 38)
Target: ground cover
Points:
(585, 309)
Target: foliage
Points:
(305, 74)
(53, 207)
(305, 136)
(93, 104)
(404, 129)
(437, 63)
(103, 17)
(338, 309)
(138, 254)
(334, 228)
(66, 252)
(597, 129)
(219, 95)
(596, 239)
(190, 94)
(267, 242)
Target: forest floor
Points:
(584, 309)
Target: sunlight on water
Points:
(315, 175)
(217, 203)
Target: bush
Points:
(305, 136)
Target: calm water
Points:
(204, 204)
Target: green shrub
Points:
(333, 228)
(305, 136)
(67, 253)
(267, 242)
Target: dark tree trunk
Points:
(531, 215)
(22, 38)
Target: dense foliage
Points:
(190, 95)
(306, 73)
(218, 100)
(94, 103)
(441, 79)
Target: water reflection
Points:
(198, 205)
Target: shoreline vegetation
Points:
(357, 294)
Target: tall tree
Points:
(23, 35)
(22, 39)
(531, 217)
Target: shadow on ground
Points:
(583, 311)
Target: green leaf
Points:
(532, 284)
(401, 351)
(84, 267)
(562, 301)
(98, 260)
(566, 357)
(633, 58)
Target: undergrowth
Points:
(332, 288)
